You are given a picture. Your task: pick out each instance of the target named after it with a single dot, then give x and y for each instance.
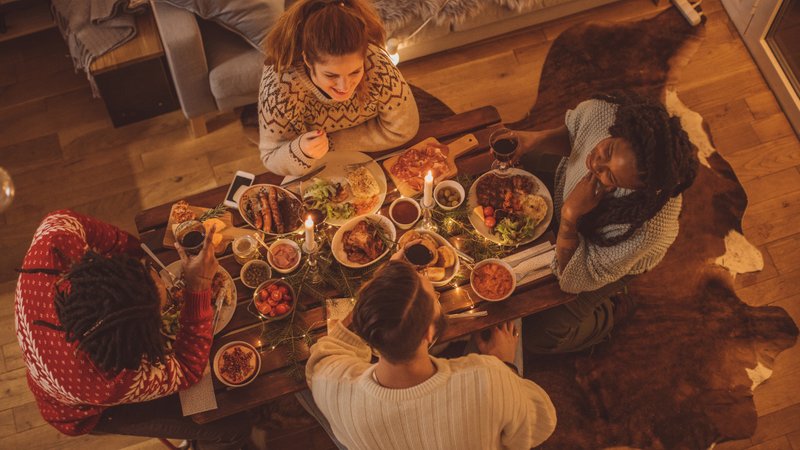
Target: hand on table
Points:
(199, 270)
(502, 342)
(314, 144)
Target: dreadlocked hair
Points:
(111, 309)
(666, 160)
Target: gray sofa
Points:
(215, 69)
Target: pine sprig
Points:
(213, 212)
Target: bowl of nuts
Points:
(448, 195)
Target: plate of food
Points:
(352, 184)
(510, 210)
(362, 241)
(222, 287)
(236, 364)
(432, 254)
(271, 209)
(408, 169)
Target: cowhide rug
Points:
(680, 372)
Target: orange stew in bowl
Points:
(492, 281)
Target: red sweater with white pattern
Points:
(70, 390)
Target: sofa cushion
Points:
(250, 19)
(234, 68)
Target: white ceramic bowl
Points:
(450, 272)
(292, 244)
(501, 263)
(218, 355)
(449, 184)
(337, 248)
(405, 226)
(254, 262)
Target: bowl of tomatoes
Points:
(274, 299)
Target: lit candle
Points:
(310, 244)
(427, 200)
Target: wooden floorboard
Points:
(58, 143)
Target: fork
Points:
(176, 282)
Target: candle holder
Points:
(427, 221)
(312, 259)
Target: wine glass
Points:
(503, 143)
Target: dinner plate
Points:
(226, 311)
(450, 272)
(337, 247)
(483, 230)
(336, 169)
(296, 207)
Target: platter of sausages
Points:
(271, 209)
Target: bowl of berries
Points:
(274, 299)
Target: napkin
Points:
(337, 309)
(200, 396)
(533, 267)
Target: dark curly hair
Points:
(666, 160)
(110, 306)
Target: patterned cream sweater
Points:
(291, 104)
(592, 266)
(473, 402)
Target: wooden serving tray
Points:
(457, 148)
(228, 234)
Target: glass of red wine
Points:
(503, 143)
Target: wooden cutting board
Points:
(229, 233)
(457, 148)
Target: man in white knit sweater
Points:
(409, 399)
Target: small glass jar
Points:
(245, 248)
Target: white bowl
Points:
(337, 248)
(451, 272)
(501, 263)
(254, 262)
(405, 226)
(292, 244)
(451, 184)
(219, 354)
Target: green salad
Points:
(514, 229)
(320, 194)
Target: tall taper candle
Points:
(310, 244)
(427, 199)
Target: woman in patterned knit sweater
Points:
(618, 196)
(88, 322)
(328, 85)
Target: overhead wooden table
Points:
(274, 380)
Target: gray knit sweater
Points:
(290, 105)
(592, 266)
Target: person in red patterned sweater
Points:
(88, 321)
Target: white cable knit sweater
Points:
(592, 266)
(290, 105)
(473, 402)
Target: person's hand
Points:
(584, 197)
(502, 342)
(314, 144)
(199, 270)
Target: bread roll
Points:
(435, 273)
(447, 257)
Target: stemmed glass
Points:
(503, 143)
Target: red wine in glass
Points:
(418, 255)
(503, 143)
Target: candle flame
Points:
(309, 222)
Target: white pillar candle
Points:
(310, 244)
(427, 199)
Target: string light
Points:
(393, 44)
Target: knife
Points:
(304, 177)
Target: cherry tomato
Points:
(283, 289)
(488, 211)
(272, 313)
(489, 221)
(263, 295)
(275, 295)
(286, 298)
(264, 308)
(282, 309)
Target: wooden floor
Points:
(60, 147)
